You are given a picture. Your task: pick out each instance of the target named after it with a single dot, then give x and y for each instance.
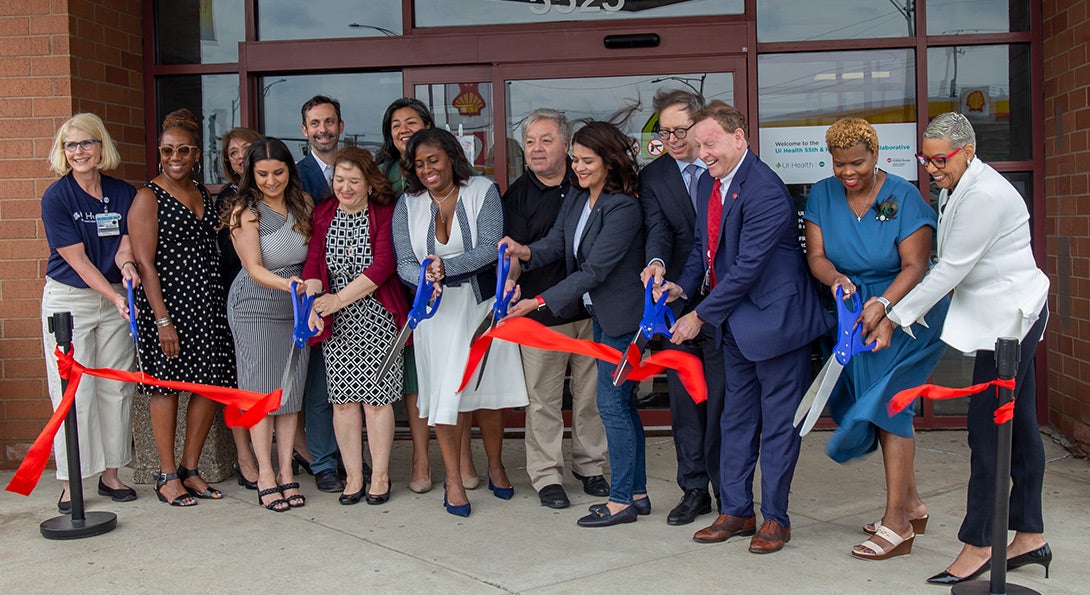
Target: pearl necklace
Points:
(439, 202)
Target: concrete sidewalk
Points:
(411, 545)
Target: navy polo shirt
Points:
(69, 215)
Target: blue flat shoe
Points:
(501, 493)
(600, 516)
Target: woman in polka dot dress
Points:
(182, 320)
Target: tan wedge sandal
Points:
(899, 546)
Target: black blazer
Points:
(607, 265)
(313, 180)
(667, 212)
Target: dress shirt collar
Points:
(726, 182)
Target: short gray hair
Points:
(953, 127)
(544, 113)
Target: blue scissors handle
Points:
(132, 309)
(300, 308)
(420, 310)
(849, 339)
(657, 318)
(503, 300)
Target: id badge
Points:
(109, 224)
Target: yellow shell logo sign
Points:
(469, 102)
(975, 101)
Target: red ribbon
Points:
(256, 406)
(530, 333)
(1003, 413)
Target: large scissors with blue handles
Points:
(132, 324)
(657, 320)
(499, 309)
(419, 312)
(849, 341)
(301, 303)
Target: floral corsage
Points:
(886, 210)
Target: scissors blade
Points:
(811, 394)
(822, 396)
(482, 328)
(635, 352)
(484, 360)
(395, 348)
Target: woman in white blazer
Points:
(985, 259)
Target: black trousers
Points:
(1027, 451)
(696, 427)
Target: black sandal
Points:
(207, 494)
(296, 501)
(183, 500)
(278, 505)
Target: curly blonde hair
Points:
(848, 132)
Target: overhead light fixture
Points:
(852, 75)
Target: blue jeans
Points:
(624, 430)
(318, 416)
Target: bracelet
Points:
(132, 262)
(164, 322)
(885, 304)
(540, 302)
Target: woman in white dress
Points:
(454, 219)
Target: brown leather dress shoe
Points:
(770, 538)
(725, 527)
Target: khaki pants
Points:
(100, 339)
(544, 371)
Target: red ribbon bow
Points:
(530, 333)
(243, 409)
(1003, 413)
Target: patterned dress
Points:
(363, 330)
(188, 263)
(262, 320)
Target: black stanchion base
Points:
(985, 588)
(64, 527)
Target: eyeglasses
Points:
(938, 160)
(167, 151)
(83, 144)
(679, 133)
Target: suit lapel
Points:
(676, 188)
(578, 202)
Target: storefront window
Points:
(466, 110)
(199, 31)
(363, 97)
(623, 100)
(439, 13)
(956, 17)
(327, 19)
(993, 86)
(806, 20)
(213, 99)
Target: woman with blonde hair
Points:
(85, 215)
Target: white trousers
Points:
(100, 339)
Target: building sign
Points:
(799, 156)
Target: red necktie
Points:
(715, 213)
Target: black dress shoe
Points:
(595, 485)
(554, 496)
(945, 578)
(378, 498)
(64, 507)
(118, 495)
(694, 503)
(327, 481)
(642, 506)
(601, 517)
(349, 499)
(1041, 555)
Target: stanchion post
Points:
(80, 523)
(1006, 363)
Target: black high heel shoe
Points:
(242, 481)
(298, 462)
(945, 578)
(1041, 555)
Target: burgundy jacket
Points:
(390, 293)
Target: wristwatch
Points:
(540, 303)
(885, 304)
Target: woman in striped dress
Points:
(269, 221)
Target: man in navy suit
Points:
(747, 262)
(668, 194)
(322, 125)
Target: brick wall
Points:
(1066, 29)
(57, 58)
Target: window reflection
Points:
(992, 86)
(292, 19)
(199, 31)
(806, 20)
(363, 96)
(213, 100)
(438, 13)
(955, 17)
(625, 100)
(466, 109)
